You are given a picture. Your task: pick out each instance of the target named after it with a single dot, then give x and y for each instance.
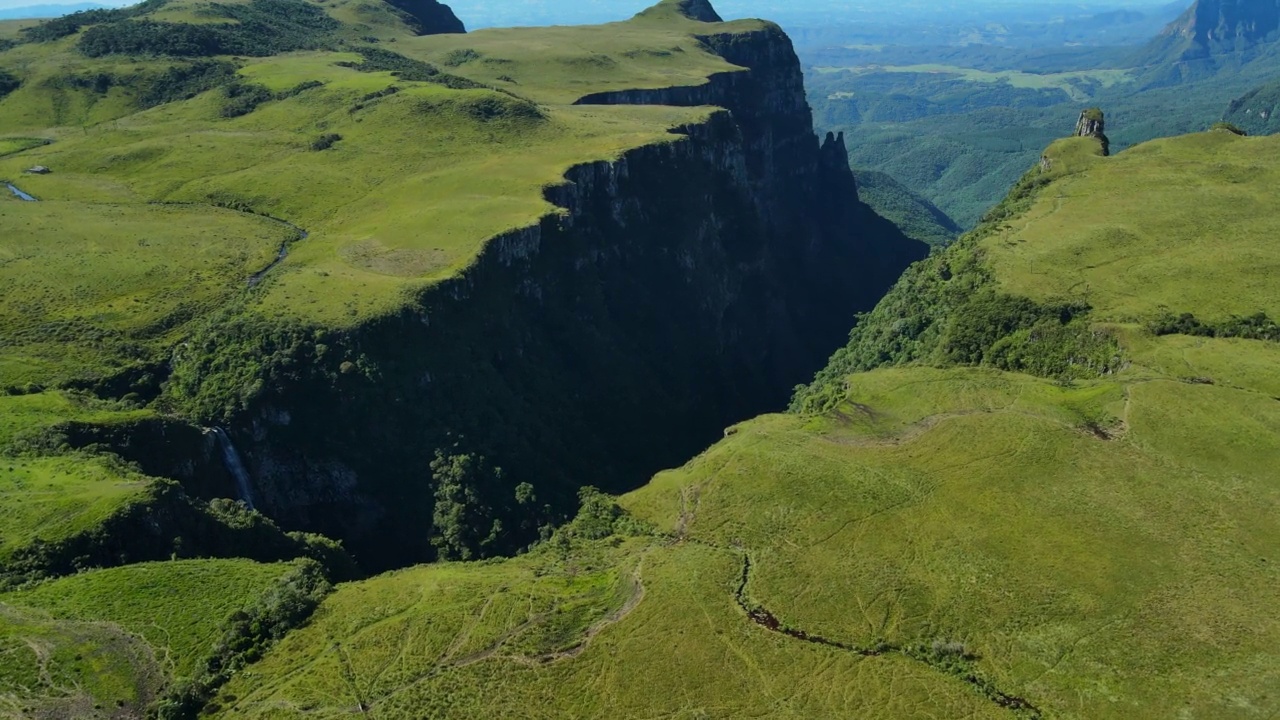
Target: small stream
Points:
(257, 277)
(18, 193)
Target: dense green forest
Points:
(958, 125)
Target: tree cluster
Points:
(261, 28)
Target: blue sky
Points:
(632, 5)
(622, 8)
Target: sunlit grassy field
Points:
(452, 641)
(945, 542)
(153, 221)
(83, 284)
(107, 643)
(1064, 81)
(1185, 224)
(422, 177)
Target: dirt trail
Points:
(634, 597)
(635, 594)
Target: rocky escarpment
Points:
(1226, 25)
(429, 17)
(687, 285)
(1210, 35)
(1093, 123)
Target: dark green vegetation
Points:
(959, 125)
(918, 218)
(439, 318)
(1255, 111)
(259, 29)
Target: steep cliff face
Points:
(1092, 123)
(1210, 35)
(1226, 25)
(429, 17)
(686, 286)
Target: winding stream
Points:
(257, 277)
(18, 193)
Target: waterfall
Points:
(235, 465)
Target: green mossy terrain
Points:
(1037, 482)
(927, 536)
(334, 225)
(321, 184)
(117, 643)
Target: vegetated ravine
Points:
(687, 286)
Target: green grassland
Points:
(108, 643)
(82, 285)
(941, 539)
(933, 537)
(468, 164)
(1183, 223)
(178, 607)
(164, 202)
(51, 498)
(50, 494)
(664, 639)
(1068, 82)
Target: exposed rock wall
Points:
(689, 284)
(429, 17)
(1093, 124)
(1210, 36)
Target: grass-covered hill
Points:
(248, 202)
(1039, 482)
(405, 285)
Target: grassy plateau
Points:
(937, 539)
(315, 186)
(1038, 483)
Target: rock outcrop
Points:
(429, 17)
(1092, 124)
(700, 10)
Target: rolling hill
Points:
(316, 212)
(1064, 509)
(456, 297)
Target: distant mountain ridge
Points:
(45, 11)
(1224, 25)
(1210, 36)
